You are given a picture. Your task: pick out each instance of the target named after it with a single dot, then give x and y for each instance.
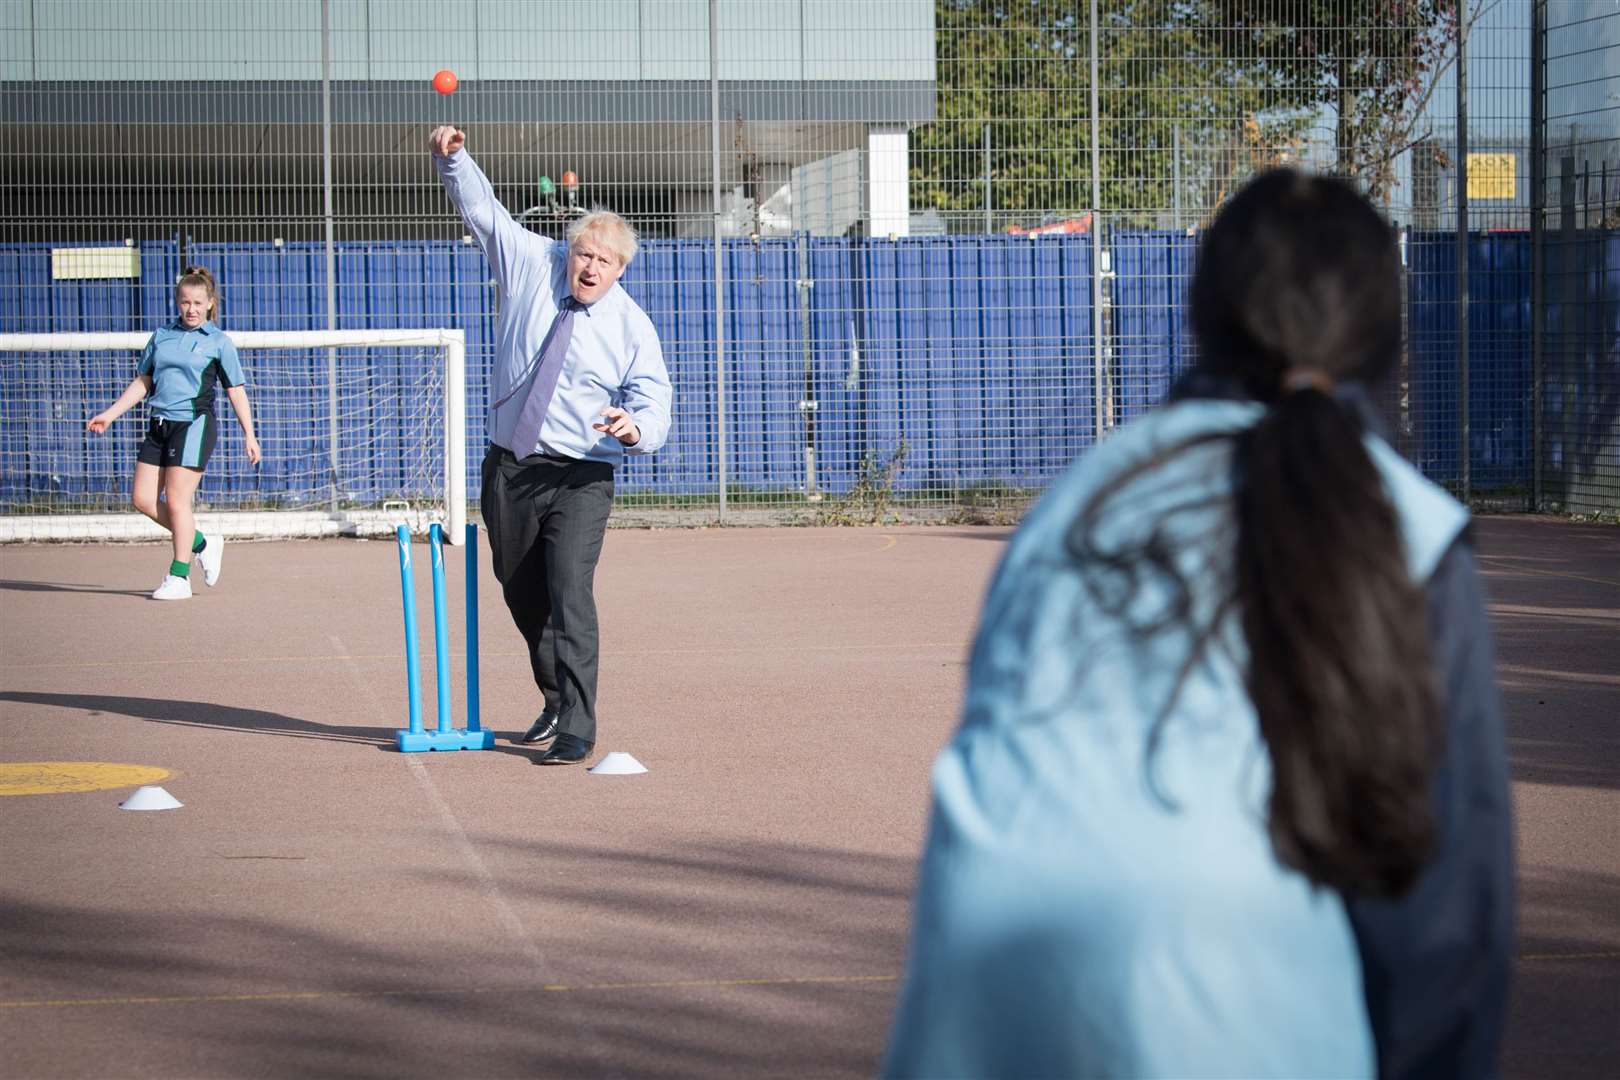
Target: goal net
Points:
(361, 430)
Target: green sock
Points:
(198, 542)
(180, 569)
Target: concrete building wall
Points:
(386, 40)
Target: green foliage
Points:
(1237, 81)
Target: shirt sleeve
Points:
(148, 361)
(230, 365)
(508, 247)
(1436, 962)
(646, 394)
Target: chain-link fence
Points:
(953, 235)
(1577, 230)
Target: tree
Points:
(1017, 68)
(1373, 63)
(1227, 80)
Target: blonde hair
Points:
(613, 231)
(199, 275)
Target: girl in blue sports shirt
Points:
(179, 368)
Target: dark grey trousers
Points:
(546, 517)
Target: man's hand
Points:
(617, 423)
(445, 140)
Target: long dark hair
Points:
(1297, 290)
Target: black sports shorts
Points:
(179, 442)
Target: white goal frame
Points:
(453, 345)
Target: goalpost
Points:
(362, 430)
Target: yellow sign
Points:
(100, 262)
(1493, 176)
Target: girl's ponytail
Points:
(1338, 666)
(1297, 290)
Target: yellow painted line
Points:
(1572, 956)
(1595, 614)
(676, 984)
(550, 988)
(1561, 676)
(214, 660)
(610, 654)
(1509, 564)
(57, 777)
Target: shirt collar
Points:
(564, 293)
(207, 327)
(579, 308)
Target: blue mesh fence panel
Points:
(1152, 337)
(975, 351)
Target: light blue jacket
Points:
(1070, 923)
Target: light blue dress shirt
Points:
(1070, 922)
(614, 357)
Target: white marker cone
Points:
(151, 798)
(618, 763)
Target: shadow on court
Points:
(324, 905)
(200, 714)
(1554, 595)
(278, 996)
(203, 714)
(66, 587)
(1565, 1015)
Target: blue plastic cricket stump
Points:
(445, 737)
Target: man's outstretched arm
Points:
(506, 244)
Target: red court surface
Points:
(326, 906)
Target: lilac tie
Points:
(526, 436)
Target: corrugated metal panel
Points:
(1152, 342)
(1581, 401)
(671, 281)
(1498, 357)
(974, 350)
(838, 346)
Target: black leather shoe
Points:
(567, 750)
(543, 728)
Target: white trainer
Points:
(173, 588)
(212, 554)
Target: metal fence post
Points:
(989, 203)
(1538, 237)
(719, 257)
(1098, 368)
(331, 254)
(1464, 478)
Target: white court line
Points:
(588, 1042)
(1504, 562)
(487, 884)
(486, 880)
